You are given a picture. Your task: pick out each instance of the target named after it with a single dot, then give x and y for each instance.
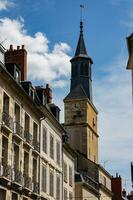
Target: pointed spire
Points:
(81, 49)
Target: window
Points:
(27, 123)
(58, 187)
(52, 146)
(104, 181)
(2, 194)
(18, 75)
(26, 163)
(35, 130)
(74, 70)
(58, 152)
(17, 113)
(44, 177)
(16, 156)
(70, 176)
(44, 145)
(51, 182)
(34, 170)
(65, 171)
(70, 196)
(4, 150)
(5, 104)
(65, 194)
(32, 93)
(14, 196)
(84, 69)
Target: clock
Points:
(76, 107)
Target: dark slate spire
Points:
(81, 71)
(81, 49)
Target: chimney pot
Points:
(11, 47)
(22, 46)
(18, 47)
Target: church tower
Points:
(80, 113)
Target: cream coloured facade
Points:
(51, 161)
(105, 184)
(31, 153)
(68, 174)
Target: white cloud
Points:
(5, 4)
(43, 64)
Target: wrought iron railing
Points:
(17, 176)
(36, 187)
(27, 182)
(28, 137)
(7, 120)
(5, 171)
(36, 145)
(90, 181)
(17, 129)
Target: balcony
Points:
(7, 122)
(5, 173)
(18, 130)
(28, 137)
(36, 145)
(17, 176)
(27, 182)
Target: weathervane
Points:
(81, 22)
(81, 11)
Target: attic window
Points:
(32, 93)
(17, 75)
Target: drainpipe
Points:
(40, 132)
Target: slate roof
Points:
(77, 93)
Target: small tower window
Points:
(84, 69)
(74, 70)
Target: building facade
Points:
(31, 147)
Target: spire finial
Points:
(81, 20)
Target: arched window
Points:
(74, 70)
(84, 69)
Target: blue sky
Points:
(50, 29)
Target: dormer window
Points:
(32, 93)
(17, 75)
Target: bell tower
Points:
(80, 113)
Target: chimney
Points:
(116, 185)
(19, 57)
(48, 92)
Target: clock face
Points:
(76, 107)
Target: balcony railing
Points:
(28, 137)
(35, 187)
(90, 181)
(36, 145)
(5, 171)
(17, 176)
(17, 129)
(27, 182)
(7, 120)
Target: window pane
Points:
(70, 175)
(44, 145)
(65, 171)
(58, 152)
(51, 182)
(51, 147)
(44, 178)
(58, 187)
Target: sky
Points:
(49, 29)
